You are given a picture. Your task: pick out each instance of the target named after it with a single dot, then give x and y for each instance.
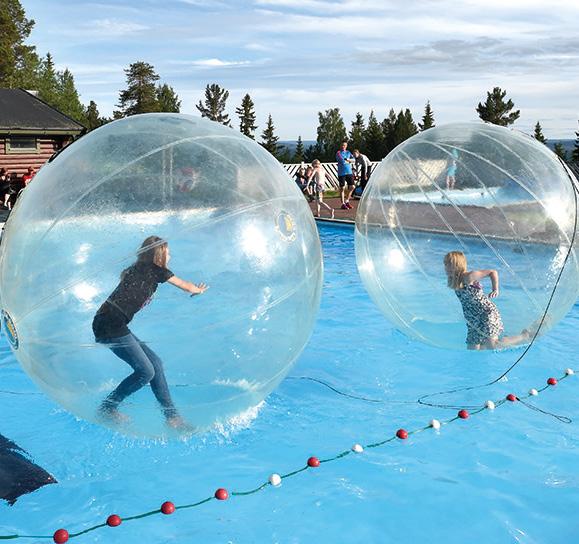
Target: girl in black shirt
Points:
(135, 290)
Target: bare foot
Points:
(112, 415)
(332, 217)
(179, 424)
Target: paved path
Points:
(335, 203)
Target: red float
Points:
(463, 414)
(114, 521)
(402, 434)
(221, 494)
(167, 507)
(511, 397)
(552, 381)
(313, 462)
(60, 536)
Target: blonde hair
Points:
(316, 162)
(455, 263)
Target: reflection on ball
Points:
(498, 197)
(231, 217)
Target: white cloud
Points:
(80, 69)
(258, 47)
(210, 63)
(115, 27)
(354, 54)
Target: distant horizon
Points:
(300, 57)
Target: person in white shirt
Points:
(363, 167)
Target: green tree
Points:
(140, 96)
(427, 118)
(48, 84)
(311, 153)
(331, 133)
(404, 127)
(357, 132)
(374, 139)
(214, 107)
(93, 118)
(18, 61)
(496, 110)
(388, 125)
(575, 152)
(560, 151)
(68, 101)
(299, 152)
(246, 114)
(269, 139)
(167, 99)
(538, 135)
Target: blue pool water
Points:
(509, 475)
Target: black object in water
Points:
(18, 474)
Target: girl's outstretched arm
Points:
(477, 275)
(194, 289)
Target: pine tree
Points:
(388, 126)
(48, 85)
(214, 107)
(331, 133)
(357, 132)
(140, 96)
(93, 119)
(495, 110)
(538, 135)
(17, 60)
(269, 139)
(299, 152)
(560, 151)
(246, 114)
(68, 101)
(404, 127)
(311, 153)
(167, 99)
(575, 152)
(427, 118)
(374, 139)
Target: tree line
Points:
(21, 66)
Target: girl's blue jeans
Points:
(147, 369)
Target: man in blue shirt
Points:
(345, 178)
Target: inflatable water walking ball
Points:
(498, 196)
(232, 219)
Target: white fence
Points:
(331, 169)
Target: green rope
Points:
(289, 474)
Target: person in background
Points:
(4, 186)
(318, 177)
(363, 167)
(302, 182)
(15, 186)
(451, 175)
(27, 178)
(345, 178)
(311, 184)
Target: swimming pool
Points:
(507, 475)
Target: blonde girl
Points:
(483, 319)
(318, 176)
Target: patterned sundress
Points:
(483, 319)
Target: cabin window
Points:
(22, 144)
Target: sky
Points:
(299, 57)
